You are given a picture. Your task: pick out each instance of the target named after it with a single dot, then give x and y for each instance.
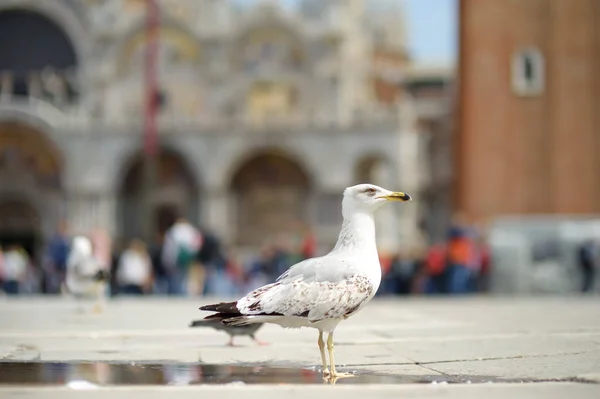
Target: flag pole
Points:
(150, 133)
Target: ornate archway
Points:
(20, 225)
(30, 186)
(270, 46)
(176, 46)
(271, 193)
(176, 194)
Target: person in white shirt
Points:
(1, 271)
(14, 269)
(181, 246)
(134, 272)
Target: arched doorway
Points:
(270, 47)
(175, 195)
(271, 193)
(19, 225)
(46, 69)
(30, 170)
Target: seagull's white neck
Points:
(357, 234)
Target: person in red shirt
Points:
(435, 269)
(463, 261)
(309, 245)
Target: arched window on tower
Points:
(528, 72)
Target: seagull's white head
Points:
(368, 198)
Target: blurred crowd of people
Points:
(185, 260)
(459, 265)
(189, 261)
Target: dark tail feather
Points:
(212, 308)
(225, 310)
(221, 316)
(223, 307)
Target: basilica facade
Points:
(265, 115)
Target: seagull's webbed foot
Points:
(334, 373)
(333, 379)
(342, 375)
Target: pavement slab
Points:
(488, 391)
(415, 347)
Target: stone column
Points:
(6, 85)
(411, 174)
(387, 218)
(327, 216)
(387, 228)
(108, 212)
(35, 85)
(512, 263)
(353, 55)
(218, 212)
(410, 180)
(75, 213)
(87, 211)
(408, 225)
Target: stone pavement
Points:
(414, 347)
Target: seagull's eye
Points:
(370, 190)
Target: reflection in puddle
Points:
(94, 374)
(46, 373)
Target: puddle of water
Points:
(89, 375)
(105, 373)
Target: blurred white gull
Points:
(321, 292)
(85, 277)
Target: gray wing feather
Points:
(314, 288)
(318, 270)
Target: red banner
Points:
(151, 94)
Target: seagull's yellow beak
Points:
(397, 196)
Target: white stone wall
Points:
(93, 180)
(99, 135)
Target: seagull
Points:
(232, 331)
(321, 292)
(85, 277)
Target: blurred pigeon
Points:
(233, 331)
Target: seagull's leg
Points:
(321, 344)
(258, 341)
(230, 343)
(334, 373)
(330, 349)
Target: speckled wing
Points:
(320, 288)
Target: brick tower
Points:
(528, 122)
